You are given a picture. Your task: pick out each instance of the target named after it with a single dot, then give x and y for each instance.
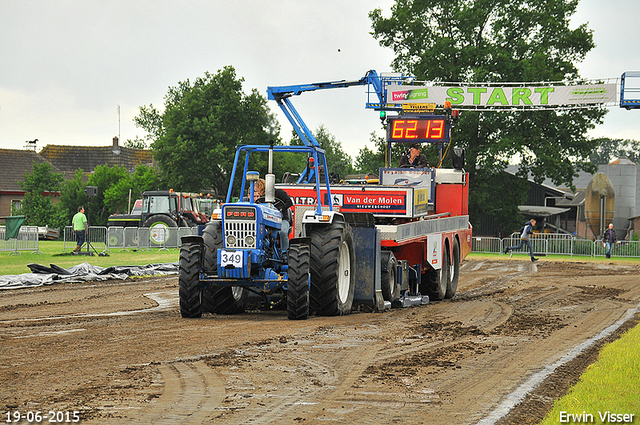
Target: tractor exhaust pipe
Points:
(270, 179)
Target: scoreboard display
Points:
(417, 129)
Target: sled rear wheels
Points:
(332, 269)
(438, 280)
(388, 279)
(454, 270)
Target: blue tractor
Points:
(242, 250)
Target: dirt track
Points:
(119, 352)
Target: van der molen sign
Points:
(506, 96)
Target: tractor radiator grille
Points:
(243, 231)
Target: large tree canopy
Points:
(194, 138)
(499, 41)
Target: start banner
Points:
(505, 96)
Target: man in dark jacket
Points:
(524, 239)
(414, 158)
(608, 239)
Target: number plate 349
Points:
(231, 258)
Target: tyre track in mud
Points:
(192, 391)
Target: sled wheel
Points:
(388, 278)
(454, 271)
(438, 280)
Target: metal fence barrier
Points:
(143, 238)
(134, 238)
(555, 244)
(27, 240)
(96, 235)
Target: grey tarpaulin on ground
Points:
(42, 275)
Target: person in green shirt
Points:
(80, 228)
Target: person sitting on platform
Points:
(413, 158)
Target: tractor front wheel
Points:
(298, 282)
(188, 281)
(219, 299)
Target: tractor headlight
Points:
(249, 240)
(231, 240)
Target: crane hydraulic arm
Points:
(376, 86)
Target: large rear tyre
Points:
(160, 228)
(388, 278)
(438, 280)
(298, 283)
(332, 269)
(188, 281)
(454, 271)
(219, 299)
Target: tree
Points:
(40, 186)
(338, 161)
(610, 149)
(136, 143)
(72, 196)
(104, 178)
(130, 187)
(499, 41)
(114, 184)
(194, 139)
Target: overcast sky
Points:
(66, 65)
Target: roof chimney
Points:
(115, 148)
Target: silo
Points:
(599, 203)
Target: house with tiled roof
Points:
(15, 164)
(70, 158)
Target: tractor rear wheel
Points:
(298, 282)
(332, 269)
(188, 282)
(160, 228)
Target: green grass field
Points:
(52, 252)
(607, 387)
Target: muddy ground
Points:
(119, 352)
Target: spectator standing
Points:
(80, 226)
(609, 238)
